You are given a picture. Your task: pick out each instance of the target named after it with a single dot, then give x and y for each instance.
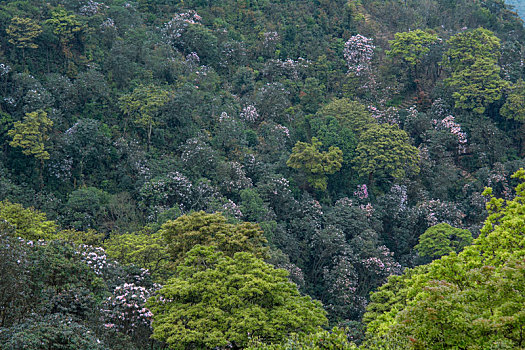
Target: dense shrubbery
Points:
(342, 141)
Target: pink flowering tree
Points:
(358, 53)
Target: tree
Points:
(143, 104)
(316, 164)
(22, 32)
(442, 239)
(217, 301)
(411, 46)
(27, 223)
(31, 134)
(514, 107)
(206, 229)
(65, 26)
(386, 150)
(348, 113)
(472, 61)
(462, 300)
(336, 339)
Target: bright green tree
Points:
(27, 223)
(65, 26)
(143, 105)
(217, 301)
(466, 300)
(349, 114)
(31, 133)
(442, 239)
(472, 61)
(386, 150)
(316, 164)
(148, 251)
(336, 339)
(411, 46)
(514, 107)
(22, 32)
(182, 234)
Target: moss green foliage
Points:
(411, 46)
(316, 164)
(351, 114)
(514, 107)
(336, 339)
(23, 31)
(220, 301)
(182, 234)
(385, 150)
(27, 223)
(31, 134)
(148, 251)
(442, 239)
(468, 299)
(472, 60)
(143, 104)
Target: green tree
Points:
(514, 107)
(65, 26)
(182, 234)
(217, 301)
(385, 150)
(350, 114)
(148, 251)
(465, 300)
(336, 339)
(411, 47)
(22, 33)
(27, 223)
(442, 239)
(143, 105)
(316, 164)
(472, 60)
(31, 134)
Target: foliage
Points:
(411, 46)
(23, 32)
(467, 299)
(442, 239)
(472, 59)
(514, 107)
(29, 224)
(316, 164)
(386, 150)
(31, 134)
(205, 229)
(218, 301)
(336, 339)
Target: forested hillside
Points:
(262, 174)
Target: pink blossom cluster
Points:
(343, 202)
(91, 8)
(342, 280)
(125, 310)
(385, 116)
(233, 209)
(455, 129)
(236, 179)
(384, 264)
(270, 37)
(250, 114)
(283, 129)
(174, 29)
(95, 258)
(436, 211)
(358, 53)
(4, 69)
(361, 192)
(368, 209)
(108, 23)
(284, 68)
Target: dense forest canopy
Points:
(261, 174)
